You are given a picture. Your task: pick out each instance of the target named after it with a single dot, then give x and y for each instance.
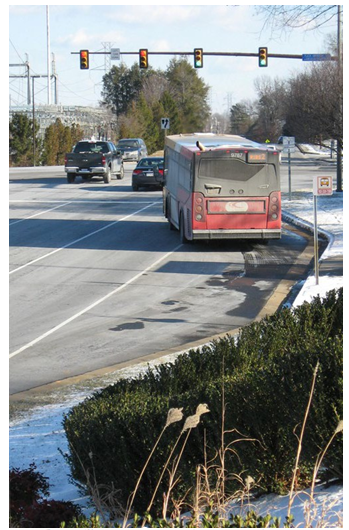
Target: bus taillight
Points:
(274, 211)
(199, 207)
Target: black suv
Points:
(132, 148)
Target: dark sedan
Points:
(149, 172)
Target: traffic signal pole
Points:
(222, 54)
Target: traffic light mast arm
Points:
(213, 54)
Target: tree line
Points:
(140, 98)
(309, 106)
(50, 151)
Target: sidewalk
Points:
(300, 211)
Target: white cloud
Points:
(83, 38)
(165, 15)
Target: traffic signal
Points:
(198, 58)
(143, 58)
(84, 60)
(263, 57)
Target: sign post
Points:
(321, 186)
(289, 146)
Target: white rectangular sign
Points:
(289, 143)
(115, 54)
(165, 123)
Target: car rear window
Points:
(91, 147)
(150, 162)
(128, 143)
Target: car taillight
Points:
(199, 207)
(137, 171)
(103, 160)
(65, 160)
(161, 171)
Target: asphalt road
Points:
(97, 277)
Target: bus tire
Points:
(183, 238)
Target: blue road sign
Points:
(316, 57)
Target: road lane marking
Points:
(37, 214)
(81, 238)
(94, 304)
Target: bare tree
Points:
(287, 17)
(313, 106)
(271, 101)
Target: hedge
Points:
(261, 380)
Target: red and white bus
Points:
(221, 187)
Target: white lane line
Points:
(91, 306)
(82, 201)
(37, 214)
(81, 238)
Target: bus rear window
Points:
(227, 168)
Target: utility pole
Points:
(54, 75)
(48, 57)
(340, 77)
(27, 75)
(107, 60)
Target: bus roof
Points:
(210, 141)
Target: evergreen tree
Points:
(171, 112)
(21, 140)
(190, 94)
(121, 86)
(59, 139)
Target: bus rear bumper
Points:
(237, 234)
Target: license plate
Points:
(150, 174)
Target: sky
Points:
(177, 28)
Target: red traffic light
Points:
(84, 60)
(143, 58)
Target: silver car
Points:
(132, 148)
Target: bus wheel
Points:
(182, 229)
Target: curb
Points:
(307, 226)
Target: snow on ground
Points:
(39, 437)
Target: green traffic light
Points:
(263, 57)
(198, 58)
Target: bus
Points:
(219, 186)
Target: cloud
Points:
(164, 15)
(83, 38)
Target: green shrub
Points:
(266, 376)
